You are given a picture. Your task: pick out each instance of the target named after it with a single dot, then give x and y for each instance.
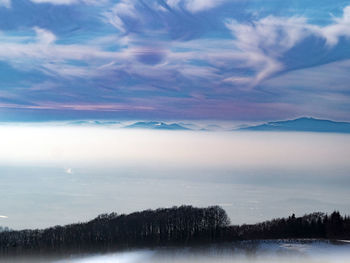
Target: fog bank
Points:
(60, 175)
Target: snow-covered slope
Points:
(281, 251)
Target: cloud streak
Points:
(195, 6)
(69, 2)
(5, 3)
(264, 42)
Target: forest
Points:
(176, 226)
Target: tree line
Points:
(176, 226)
(311, 226)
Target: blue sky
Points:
(174, 59)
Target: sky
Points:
(248, 60)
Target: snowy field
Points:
(299, 251)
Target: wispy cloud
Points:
(264, 42)
(76, 107)
(42, 53)
(339, 28)
(68, 2)
(5, 3)
(195, 5)
(123, 10)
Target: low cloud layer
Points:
(60, 175)
(85, 146)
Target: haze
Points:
(60, 174)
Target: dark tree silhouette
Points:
(176, 226)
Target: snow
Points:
(268, 251)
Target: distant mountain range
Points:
(156, 126)
(302, 125)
